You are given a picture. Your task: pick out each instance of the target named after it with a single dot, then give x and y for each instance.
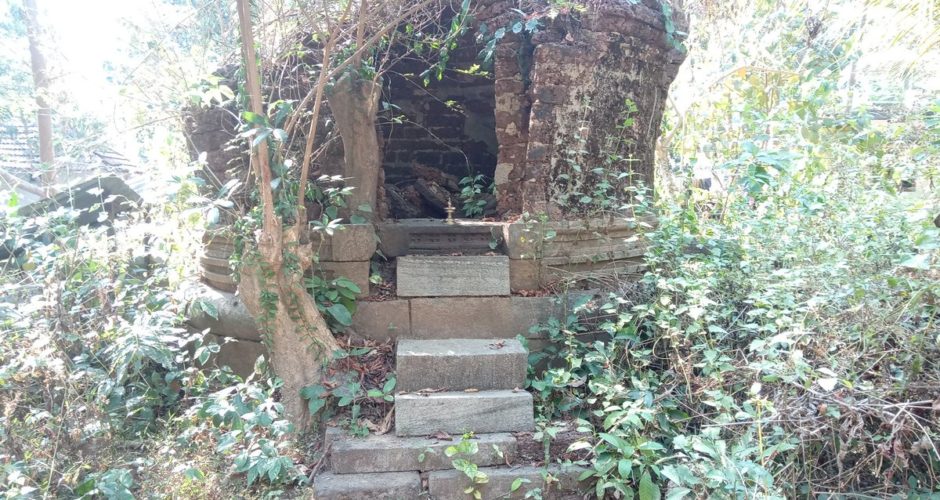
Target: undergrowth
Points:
(787, 350)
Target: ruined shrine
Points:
(553, 119)
(562, 121)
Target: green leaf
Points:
(261, 136)
(624, 467)
(651, 446)
(517, 483)
(389, 385)
(677, 493)
(254, 118)
(648, 489)
(920, 261)
(340, 314)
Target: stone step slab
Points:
(447, 276)
(453, 483)
(461, 317)
(422, 414)
(384, 486)
(388, 453)
(458, 364)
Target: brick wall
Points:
(449, 124)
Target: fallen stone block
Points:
(233, 319)
(239, 355)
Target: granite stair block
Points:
(422, 414)
(458, 364)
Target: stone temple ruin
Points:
(566, 114)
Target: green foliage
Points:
(246, 423)
(336, 299)
(471, 190)
(464, 452)
(346, 393)
(582, 188)
(786, 330)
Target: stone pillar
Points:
(354, 104)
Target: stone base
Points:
(379, 486)
(348, 243)
(239, 355)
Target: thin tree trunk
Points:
(41, 88)
(298, 338)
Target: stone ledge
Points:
(451, 484)
(389, 453)
(574, 238)
(382, 320)
(530, 274)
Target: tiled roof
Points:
(19, 156)
(19, 152)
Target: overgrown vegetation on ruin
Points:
(784, 342)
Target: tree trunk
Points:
(354, 103)
(298, 338)
(41, 87)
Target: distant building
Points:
(21, 172)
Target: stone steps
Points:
(453, 484)
(422, 414)
(387, 453)
(458, 364)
